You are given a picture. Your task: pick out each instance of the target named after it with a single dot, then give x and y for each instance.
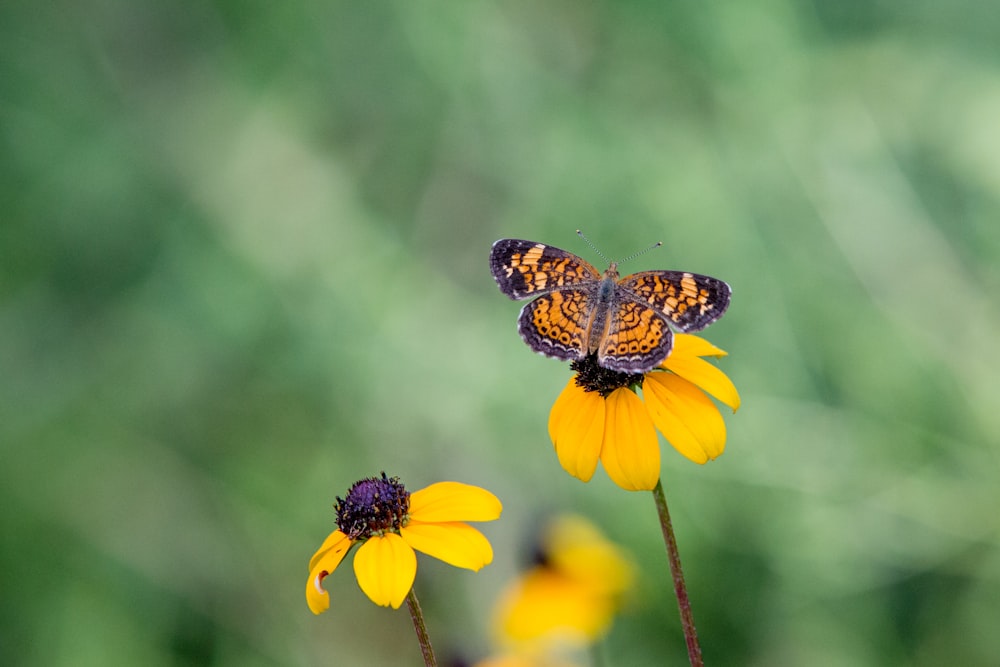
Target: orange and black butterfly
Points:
(578, 310)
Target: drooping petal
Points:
(455, 543)
(686, 417)
(454, 501)
(689, 345)
(631, 454)
(334, 541)
(386, 567)
(326, 560)
(707, 376)
(316, 596)
(576, 426)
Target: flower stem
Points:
(680, 590)
(418, 624)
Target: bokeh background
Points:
(243, 264)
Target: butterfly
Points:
(578, 311)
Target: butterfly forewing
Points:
(525, 268)
(690, 301)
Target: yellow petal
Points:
(454, 501)
(707, 376)
(335, 540)
(510, 660)
(686, 417)
(455, 543)
(326, 560)
(575, 547)
(688, 345)
(517, 659)
(525, 658)
(316, 596)
(576, 426)
(545, 605)
(631, 454)
(386, 567)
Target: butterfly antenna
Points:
(641, 252)
(592, 246)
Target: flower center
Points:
(591, 376)
(373, 506)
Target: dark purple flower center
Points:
(373, 506)
(591, 376)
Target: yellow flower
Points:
(569, 598)
(525, 660)
(599, 415)
(389, 523)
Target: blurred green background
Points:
(243, 264)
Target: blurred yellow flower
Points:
(600, 417)
(535, 659)
(389, 523)
(569, 598)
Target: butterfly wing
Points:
(690, 301)
(638, 338)
(524, 268)
(555, 324)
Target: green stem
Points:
(418, 624)
(680, 590)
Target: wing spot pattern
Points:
(537, 273)
(555, 325)
(639, 331)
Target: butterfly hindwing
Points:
(638, 338)
(555, 324)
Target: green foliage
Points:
(243, 264)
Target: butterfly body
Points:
(577, 310)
